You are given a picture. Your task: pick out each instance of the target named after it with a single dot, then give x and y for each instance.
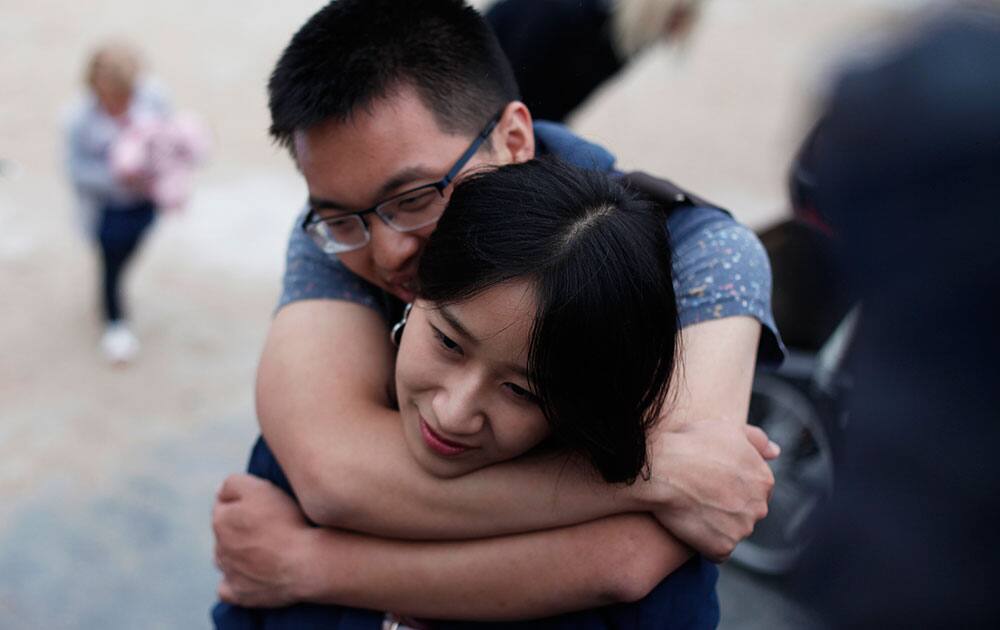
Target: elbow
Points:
(639, 565)
(320, 508)
(635, 580)
(325, 504)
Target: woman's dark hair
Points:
(353, 52)
(603, 340)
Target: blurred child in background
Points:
(127, 157)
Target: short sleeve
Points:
(311, 274)
(722, 270)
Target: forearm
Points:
(519, 577)
(343, 450)
(713, 380)
(712, 478)
(92, 179)
(90, 174)
(368, 482)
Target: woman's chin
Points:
(443, 468)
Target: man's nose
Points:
(457, 406)
(392, 250)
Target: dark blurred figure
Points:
(810, 294)
(561, 50)
(908, 173)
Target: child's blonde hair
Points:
(116, 64)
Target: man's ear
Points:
(514, 137)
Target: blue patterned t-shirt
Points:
(720, 267)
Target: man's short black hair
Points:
(353, 52)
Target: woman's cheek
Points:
(417, 366)
(523, 431)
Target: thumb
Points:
(760, 441)
(232, 489)
(226, 593)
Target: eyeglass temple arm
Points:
(470, 152)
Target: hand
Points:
(713, 480)
(139, 183)
(259, 536)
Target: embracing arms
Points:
(270, 557)
(325, 413)
(717, 495)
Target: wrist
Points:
(655, 493)
(313, 578)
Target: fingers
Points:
(226, 593)
(238, 487)
(232, 488)
(760, 441)
(218, 517)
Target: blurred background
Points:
(107, 473)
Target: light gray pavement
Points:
(107, 476)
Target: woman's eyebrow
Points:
(448, 316)
(518, 369)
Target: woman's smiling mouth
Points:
(438, 444)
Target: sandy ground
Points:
(107, 475)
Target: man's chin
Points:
(404, 294)
(403, 291)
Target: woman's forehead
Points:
(498, 320)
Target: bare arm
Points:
(713, 509)
(270, 557)
(325, 412)
(520, 497)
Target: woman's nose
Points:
(458, 407)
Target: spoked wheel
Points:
(803, 475)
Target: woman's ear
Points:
(514, 137)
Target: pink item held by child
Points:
(164, 152)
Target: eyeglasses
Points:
(405, 212)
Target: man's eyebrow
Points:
(325, 204)
(407, 175)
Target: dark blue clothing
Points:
(121, 229)
(720, 269)
(686, 600)
(560, 50)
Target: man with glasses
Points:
(337, 232)
(382, 105)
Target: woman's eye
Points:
(446, 342)
(521, 392)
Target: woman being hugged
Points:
(545, 324)
(583, 267)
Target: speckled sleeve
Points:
(721, 270)
(311, 274)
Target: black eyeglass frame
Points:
(311, 218)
